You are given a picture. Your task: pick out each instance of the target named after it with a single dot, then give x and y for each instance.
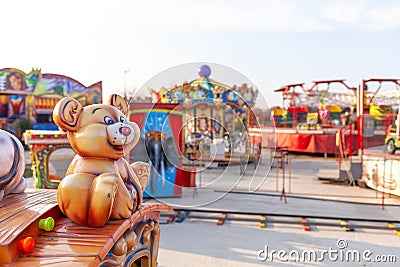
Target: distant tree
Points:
(22, 125)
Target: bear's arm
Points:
(126, 172)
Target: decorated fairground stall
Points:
(215, 116)
(33, 96)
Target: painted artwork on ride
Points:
(382, 173)
(160, 144)
(33, 95)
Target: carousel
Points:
(215, 116)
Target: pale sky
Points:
(272, 43)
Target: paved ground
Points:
(203, 243)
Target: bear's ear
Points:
(66, 114)
(119, 102)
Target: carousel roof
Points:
(205, 89)
(208, 83)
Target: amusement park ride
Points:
(351, 125)
(311, 118)
(215, 116)
(391, 99)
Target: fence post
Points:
(383, 189)
(277, 171)
(290, 172)
(283, 193)
(376, 179)
(241, 159)
(200, 171)
(391, 173)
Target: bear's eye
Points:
(108, 120)
(122, 119)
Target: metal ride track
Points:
(263, 219)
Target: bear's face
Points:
(97, 130)
(104, 132)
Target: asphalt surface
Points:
(195, 242)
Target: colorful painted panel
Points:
(160, 145)
(34, 95)
(15, 85)
(54, 84)
(16, 81)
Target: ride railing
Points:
(381, 172)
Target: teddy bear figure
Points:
(99, 184)
(12, 160)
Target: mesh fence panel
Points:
(292, 173)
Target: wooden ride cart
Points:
(127, 242)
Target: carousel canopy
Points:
(206, 90)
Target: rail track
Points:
(307, 222)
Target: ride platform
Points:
(120, 242)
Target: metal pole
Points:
(384, 182)
(376, 179)
(200, 171)
(360, 115)
(277, 172)
(290, 172)
(125, 89)
(283, 194)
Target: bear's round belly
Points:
(95, 166)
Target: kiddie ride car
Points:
(96, 216)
